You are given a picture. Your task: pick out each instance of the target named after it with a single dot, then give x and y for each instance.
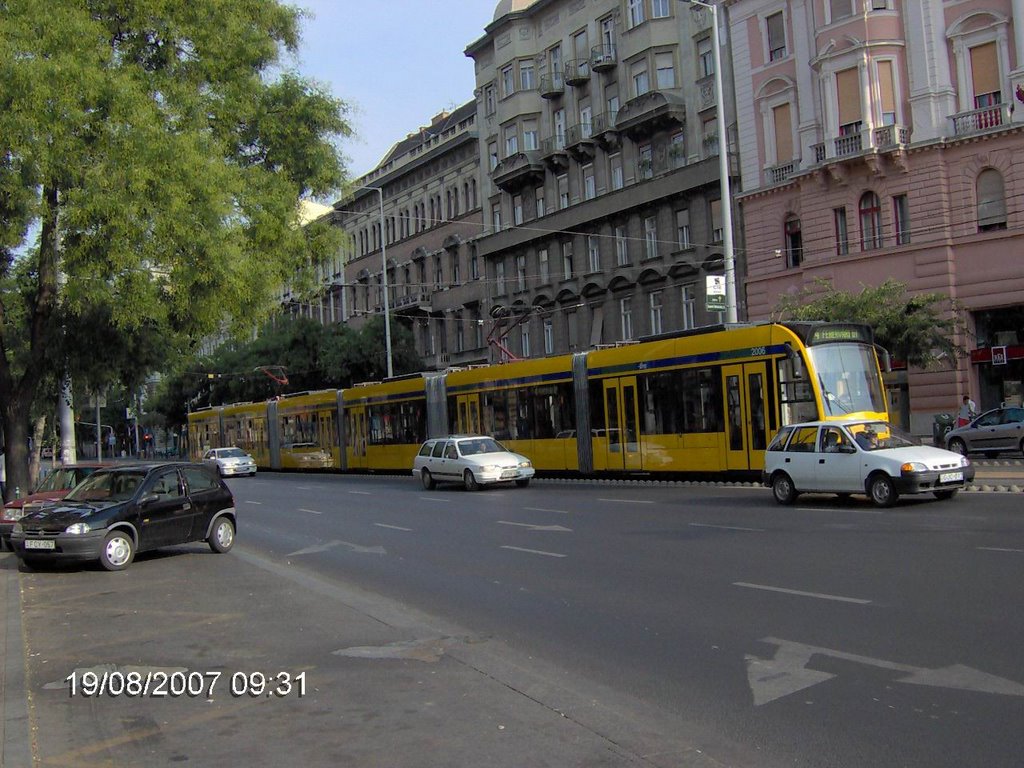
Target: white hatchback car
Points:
(230, 461)
(858, 456)
(473, 460)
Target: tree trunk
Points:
(38, 435)
(15, 417)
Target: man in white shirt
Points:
(967, 412)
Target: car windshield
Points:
(60, 479)
(107, 486)
(231, 453)
(880, 435)
(480, 445)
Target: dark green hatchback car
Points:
(119, 511)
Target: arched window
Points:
(870, 222)
(991, 200)
(794, 242)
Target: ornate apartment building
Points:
(599, 170)
(883, 138)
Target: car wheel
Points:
(470, 481)
(882, 491)
(523, 482)
(783, 489)
(946, 494)
(958, 446)
(427, 480)
(118, 551)
(223, 536)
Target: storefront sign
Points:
(998, 355)
(715, 293)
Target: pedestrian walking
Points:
(3, 474)
(968, 410)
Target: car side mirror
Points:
(149, 498)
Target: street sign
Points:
(998, 355)
(715, 293)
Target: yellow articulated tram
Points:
(701, 402)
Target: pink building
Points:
(878, 139)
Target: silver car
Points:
(1001, 429)
(230, 461)
(473, 460)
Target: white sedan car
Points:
(857, 456)
(473, 460)
(230, 461)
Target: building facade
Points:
(882, 139)
(599, 171)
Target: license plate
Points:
(509, 473)
(951, 477)
(39, 544)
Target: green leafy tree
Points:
(920, 329)
(152, 159)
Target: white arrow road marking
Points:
(727, 527)
(627, 501)
(361, 493)
(392, 527)
(542, 509)
(378, 550)
(258, 503)
(799, 593)
(1000, 549)
(532, 527)
(786, 673)
(535, 551)
(311, 511)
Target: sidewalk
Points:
(383, 684)
(15, 750)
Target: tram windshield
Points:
(849, 379)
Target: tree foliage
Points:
(313, 356)
(920, 330)
(152, 159)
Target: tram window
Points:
(495, 414)
(553, 410)
(524, 415)
(796, 398)
(596, 392)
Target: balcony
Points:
(603, 58)
(779, 174)
(411, 302)
(519, 170)
(579, 141)
(891, 136)
(603, 130)
(553, 152)
(654, 111)
(886, 138)
(577, 72)
(552, 86)
(981, 120)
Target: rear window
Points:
(199, 480)
(438, 451)
(779, 441)
(804, 440)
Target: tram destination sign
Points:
(837, 332)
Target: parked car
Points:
(230, 461)
(857, 456)
(54, 486)
(1001, 429)
(473, 460)
(119, 511)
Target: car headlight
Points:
(78, 528)
(491, 468)
(525, 464)
(17, 527)
(964, 461)
(913, 466)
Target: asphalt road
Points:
(824, 634)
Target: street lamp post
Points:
(384, 279)
(723, 166)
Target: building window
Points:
(887, 92)
(651, 237)
(645, 165)
(508, 86)
(776, 37)
(659, 9)
(567, 270)
(517, 209)
(524, 339)
(530, 136)
(499, 277)
(542, 266)
(511, 140)
(521, 272)
(474, 265)
(840, 9)
(655, 305)
(549, 337)
(571, 331)
(842, 232)
(870, 222)
(848, 91)
(460, 333)
(783, 124)
(665, 70)
(456, 272)
(621, 246)
(563, 191)
(492, 154)
(636, 12)
(593, 253)
(991, 200)
(496, 216)
(589, 184)
(794, 242)
(438, 272)
(985, 75)
(901, 219)
(717, 230)
(538, 198)
(490, 103)
(615, 170)
(626, 317)
(705, 58)
(526, 80)
(677, 149)
(638, 75)
(688, 300)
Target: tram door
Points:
(469, 414)
(746, 415)
(622, 419)
(357, 433)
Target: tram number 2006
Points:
(758, 351)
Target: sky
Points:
(396, 64)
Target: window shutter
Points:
(783, 134)
(984, 69)
(848, 87)
(886, 88)
(991, 199)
